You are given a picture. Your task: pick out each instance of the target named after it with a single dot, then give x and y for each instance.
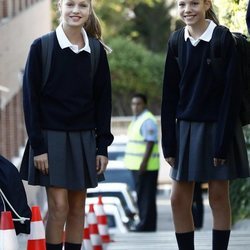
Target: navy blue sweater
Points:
(69, 101)
(194, 94)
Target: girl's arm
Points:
(102, 83)
(31, 95)
(170, 97)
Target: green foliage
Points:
(240, 199)
(153, 28)
(232, 13)
(240, 190)
(146, 22)
(122, 3)
(246, 130)
(116, 14)
(134, 69)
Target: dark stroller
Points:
(13, 197)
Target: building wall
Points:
(21, 21)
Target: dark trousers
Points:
(146, 188)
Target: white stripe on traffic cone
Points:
(102, 221)
(8, 238)
(93, 229)
(36, 240)
(86, 243)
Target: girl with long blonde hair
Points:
(68, 121)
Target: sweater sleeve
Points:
(170, 97)
(231, 99)
(31, 96)
(103, 108)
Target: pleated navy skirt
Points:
(195, 148)
(72, 161)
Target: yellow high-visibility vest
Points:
(136, 146)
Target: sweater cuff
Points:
(40, 150)
(168, 153)
(221, 153)
(102, 151)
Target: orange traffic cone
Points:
(102, 221)
(36, 239)
(86, 243)
(8, 238)
(93, 229)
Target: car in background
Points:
(116, 150)
(116, 170)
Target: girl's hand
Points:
(218, 162)
(170, 161)
(101, 163)
(41, 163)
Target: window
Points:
(4, 8)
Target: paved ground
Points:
(164, 238)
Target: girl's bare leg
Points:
(220, 204)
(181, 202)
(221, 210)
(75, 219)
(57, 214)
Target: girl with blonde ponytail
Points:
(68, 121)
(93, 28)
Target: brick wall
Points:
(12, 132)
(21, 21)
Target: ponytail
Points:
(93, 28)
(210, 14)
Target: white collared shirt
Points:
(65, 43)
(206, 36)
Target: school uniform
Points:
(68, 118)
(200, 114)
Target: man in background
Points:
(142, 158)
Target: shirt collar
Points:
(65, 43)
(206, 36)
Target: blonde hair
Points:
(93, 26)
(210, 14)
